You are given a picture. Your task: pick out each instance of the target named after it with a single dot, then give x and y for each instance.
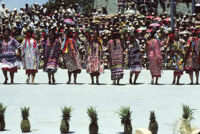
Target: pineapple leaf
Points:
(125, 115)
(93, 114)
(187, 112)
(152, 116)
(2, 110)
(66, 113)
(25, 113)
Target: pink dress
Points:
(192, 55)
(155, 57)
(94, 59)
(71, 55)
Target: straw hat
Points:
(142, 131)
(196, 131)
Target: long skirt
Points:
(93, 65)
(155, 68)
(117, 72)
(51, 65)
(73, 62)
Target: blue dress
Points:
(8, 57)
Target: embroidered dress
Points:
(177, 60)
(134, 58)
(94, 59)
(116, 53)
(51, 56)
(8, 57)
(30, 55)
(192, 55)
(155, 57)
(71, 55)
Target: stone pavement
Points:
(46, 101)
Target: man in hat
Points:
(18, 27)
(2, 13)
(71, 10)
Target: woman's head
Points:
(152, 35)
(52, 34)
(7, 32)
(29, 32)
(116, 35)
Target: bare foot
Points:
(6, 81)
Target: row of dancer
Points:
(12, 54)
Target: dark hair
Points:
(115, 35)
(152, 35)
(6, 29)
(30, 31)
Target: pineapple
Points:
(153, 125)
(66, 115)
(25, 124)
(93, 115)
(2, 116)
(125, 115)
(185, 126)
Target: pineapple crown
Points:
(93, 115)
(66, 113)
(187, 112)
(152, 116)
(125, 115)
(2, 110)
(25, 113)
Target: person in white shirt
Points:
(71, 10)
(2, 13)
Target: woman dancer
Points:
(116, 56)
(154, 57)
(94, 58)
(51, 56)
(9, 56)
(134, 58)
(192, 56)
(71, 56)
(30, 56)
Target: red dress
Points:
(192, 55)
(155, 57)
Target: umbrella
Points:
(154, 25)
(142, 28)
(129, 12)
(149, 17)
(139, 30)
(143, 5)
(184, 32)
(157, 18)
(167, 19)
(149, 30)
(69, 21)
(141, 16)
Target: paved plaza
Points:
(45, 102)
